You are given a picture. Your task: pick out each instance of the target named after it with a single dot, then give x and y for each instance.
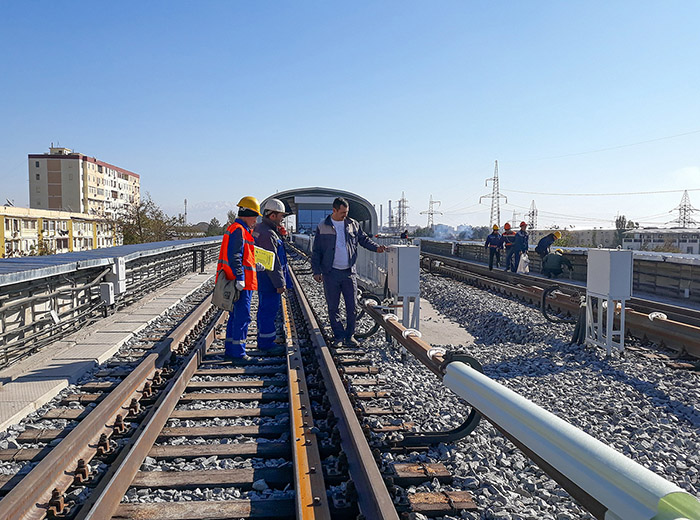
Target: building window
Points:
(38, 190)
(38, 176)
(36, 164)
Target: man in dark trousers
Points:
(333, 263)
(508, 239)
(552, 264)
(271, 284)
(494, 243)
(520, 245)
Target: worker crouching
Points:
(271, 283)
(237, 261)
(553, 262)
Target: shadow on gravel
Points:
(557, 359)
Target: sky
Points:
(214, 100)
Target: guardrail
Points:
(667, 275)
(43, 299)
(371, 267)
(604, 481)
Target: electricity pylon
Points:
(431, 212)
(495, 198)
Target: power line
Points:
(612, 147)
(601, 194)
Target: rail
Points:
(605, 482)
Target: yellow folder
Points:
(265, 257)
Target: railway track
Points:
(177, 431)
(679, 330)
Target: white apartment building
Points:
(685, 240)
(27, 231)
(64, 180)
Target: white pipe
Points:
(625, 488)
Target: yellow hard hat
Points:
(495, 227)
(557, 234)
(560, 251)
(249, 203)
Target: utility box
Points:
(403, 270)
(610, 273)
(107, 293)
(118, 275)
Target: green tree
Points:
(623, 225)
(230, 217)
(424, 232)
(480, 232)
(214, 228)
(147, 222)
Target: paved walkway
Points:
(34, 381)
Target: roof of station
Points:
(361, 209)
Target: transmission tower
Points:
(685, 212)
(531, 216)
(403, 212)
(431, 212)
(495, 198)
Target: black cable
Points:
(546, 293)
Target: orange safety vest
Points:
(251, 276)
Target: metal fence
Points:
(44, 299)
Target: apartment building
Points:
(65, 180)
(684, 240)
(27, 231)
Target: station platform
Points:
(30, 383)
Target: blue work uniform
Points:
(520, 245)
(269, 300)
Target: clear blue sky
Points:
(211, 101)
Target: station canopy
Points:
(311, 205)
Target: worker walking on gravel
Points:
(553, 262)
(494, 244)
(271, 284)
(508, 239)
(520, 245)
(237, 262)
(333, 263)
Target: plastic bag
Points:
(524, 264)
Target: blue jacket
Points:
(267, 236)
(494, 240)
(521, 239)
(544, 243)
(323, 252)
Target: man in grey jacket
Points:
(271, 284)
(333, 263)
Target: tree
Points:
(146, 222)
(424, 232)
(214, 228)
(230, 216)
(480, 232)
(623, 225)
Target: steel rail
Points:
(106, 498)
(679, 313)
(29, 498)
(310, 486)
(605, 482)
(374, 499)
(682, 337)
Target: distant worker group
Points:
(515, 245)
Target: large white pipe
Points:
(625, 488)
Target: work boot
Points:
(241, 359)
(337, 343)
(351, 342)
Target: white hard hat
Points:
(274, 205)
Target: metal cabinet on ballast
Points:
(403, 270)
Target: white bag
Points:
(524, 264)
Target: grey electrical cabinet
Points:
(403, 270)
(610, 273)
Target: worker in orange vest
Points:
(237, 261)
